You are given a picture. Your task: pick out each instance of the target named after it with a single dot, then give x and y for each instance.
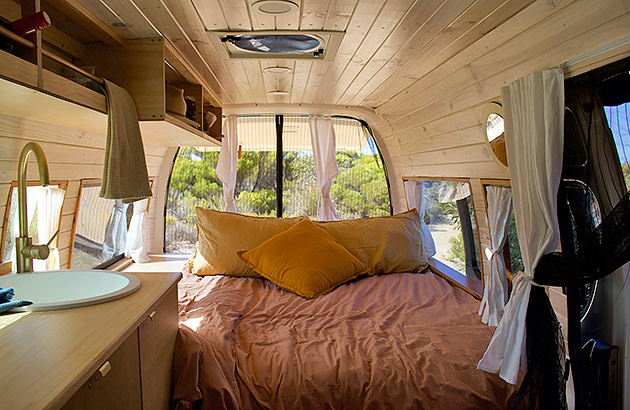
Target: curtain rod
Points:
(8, 33)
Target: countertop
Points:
(46, 356)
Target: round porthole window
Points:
(494, 129)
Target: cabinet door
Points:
(157, 343)
(116, 385)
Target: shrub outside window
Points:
(450, 216)
(360, 190)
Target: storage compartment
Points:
(116, 385)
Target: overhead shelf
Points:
(60, 101)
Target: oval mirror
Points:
(495, 131)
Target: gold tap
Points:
(24, 248)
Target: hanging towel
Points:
(125, 169)
(5, 300)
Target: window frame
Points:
(61, 184)
(91, 182)
(454, 277)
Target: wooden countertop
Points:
(46, 356)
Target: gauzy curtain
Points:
(495, 289)
(49, 202)
(324, 149)
(226, 166)
(415, 199)
(137, 244)
(534, 135)
(115, 239)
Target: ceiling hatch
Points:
(284, 45)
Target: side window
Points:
(100, 230)
(43, 210)
(450, 216)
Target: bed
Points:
(402, 340)
(398, 341)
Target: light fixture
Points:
(275, 7)
(277, 70)
(278, 93)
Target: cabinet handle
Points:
(105, 368)
(152, 315)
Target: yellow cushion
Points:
(385, 244)
(305, 260)
(221, 234)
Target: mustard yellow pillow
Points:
(386, 244)
(305, 260)
(221, 234)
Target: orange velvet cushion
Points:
(305, 260)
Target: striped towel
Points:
(125, 168)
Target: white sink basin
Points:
(64, 289)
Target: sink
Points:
(65, 289)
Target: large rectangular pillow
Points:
(385, 244)
(220, 235)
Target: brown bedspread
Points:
(399, 341)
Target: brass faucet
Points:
(24, 248)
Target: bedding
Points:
(304, 260)
(222, 234)
(397, 341)
(386, 244)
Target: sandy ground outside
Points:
(441, 234)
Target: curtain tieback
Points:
(491, 253)
(527, 277)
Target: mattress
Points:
(398, 341)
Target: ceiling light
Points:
(275, 7)
(277, 70)
(278, 93)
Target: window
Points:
(511, 249)
(44, 214)
(100, 230)
(450, 216)
(360, 190)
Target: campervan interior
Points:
(308, 204)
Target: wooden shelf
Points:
(65, 103)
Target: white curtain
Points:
(137, 244)
(534, 134)
(495, 285)
(415, 199)
(324, 149)
(13, 229)
(49, 202)
(226, 167)
(115, 240)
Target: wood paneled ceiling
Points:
(388, 44)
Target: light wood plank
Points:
(462, 170)
(314, 14)
(236, 15)
(210, 14)
(457, 138)
(520, 22)
(382, 27)
(84, 17)
(301, 73)
(339, 13)
(481, 80)
(359, 25)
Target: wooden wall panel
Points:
(72, 155)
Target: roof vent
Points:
(284, 45)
